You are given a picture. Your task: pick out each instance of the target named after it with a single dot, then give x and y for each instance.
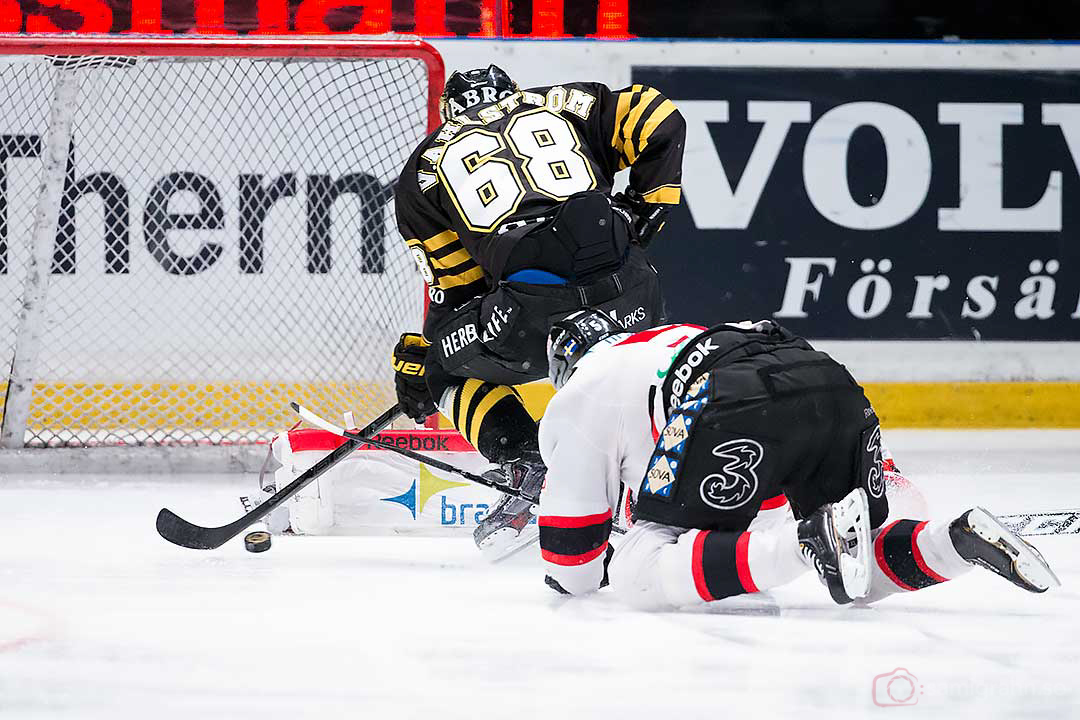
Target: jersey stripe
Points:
(435, 242)
(447, 262)
(469, 276)
(622, 108)
(650, 103)
(657, 116)
(632, 120)
(666, 194)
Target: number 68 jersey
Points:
(518, 158)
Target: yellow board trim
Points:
(260, 407)
(668, 195)
(940, 405)
(264, 405)
(976, 404)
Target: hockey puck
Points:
(257, 541)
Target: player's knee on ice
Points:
(646, 564)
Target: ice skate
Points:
(835, 539)
(982, 539)
(508, 527)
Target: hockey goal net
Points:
(195, 232)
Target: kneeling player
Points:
(705, 428)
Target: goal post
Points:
(194, 232)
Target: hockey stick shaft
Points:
(330, 427)
(1054, 522)
(178, 531)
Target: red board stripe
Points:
(879, 555)
(919, 560)
(572, 560)
(570, 521)
(697, 569)
(742, 563)
(314, 439)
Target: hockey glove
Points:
(410, 355)
(648, 217)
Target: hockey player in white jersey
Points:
(707, 437)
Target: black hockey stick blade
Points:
(180, 532)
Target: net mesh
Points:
(225, 244)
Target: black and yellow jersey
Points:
(516, 159)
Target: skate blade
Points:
(852, 518)
(506, 542)
(1027, 562)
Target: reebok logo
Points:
(684, 371)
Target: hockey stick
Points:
(180, 532)
(429, 461)
(1054, 522)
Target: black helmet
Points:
(572, 337)
(474, 87)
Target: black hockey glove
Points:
(648, 217)
(410, 355)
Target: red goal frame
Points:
(250, 46)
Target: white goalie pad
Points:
(377, 491)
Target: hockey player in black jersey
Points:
(507, 209)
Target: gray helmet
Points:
(572, 337)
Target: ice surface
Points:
(100, 618)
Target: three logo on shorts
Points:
(736, 482)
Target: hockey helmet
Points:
(474, 87)
(572, 337)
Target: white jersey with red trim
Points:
(597, 437)
(597, 434)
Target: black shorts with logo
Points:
(763, 420)
(501, 337)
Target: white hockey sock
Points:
(773, 556)
(704, 566)
(911, 555)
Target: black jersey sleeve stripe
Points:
(638, 138)
(628, 100)
(633, 120)
(653, 120)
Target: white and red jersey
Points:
(598, 433)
